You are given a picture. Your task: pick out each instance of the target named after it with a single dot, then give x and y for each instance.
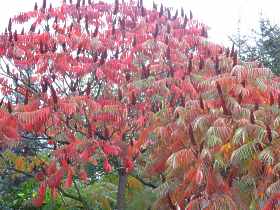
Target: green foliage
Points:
(18, 197)
(142, 200)
(101, 194)
(243, 153)
(263, 45)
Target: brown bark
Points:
(121, 189)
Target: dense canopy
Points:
(138, 89)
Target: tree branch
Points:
(80, 196)
(144, 182)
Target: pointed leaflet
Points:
(107, 166)
(38, 201)
(69, 178)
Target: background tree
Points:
(240, 41)
(262, 45)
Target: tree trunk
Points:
(121, 189)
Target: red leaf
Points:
(51, 168)
(141, 120)
(53, 193)
(55, 179)
(85, 155)
(69, 179)
(10, 133)
(2, 51)
(38, 201)
(83, 175)
(199, 177)
(40, 176)
(64, 164)
(271, 202)
(111, 150)
(106, 165)
(128, 164)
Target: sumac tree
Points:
(101, 82)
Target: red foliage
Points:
(107, 166)
(272, 202)
(83, 175)
(117, 86)
(38, 201)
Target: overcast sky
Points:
(220, 15)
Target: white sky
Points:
(220, 15)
